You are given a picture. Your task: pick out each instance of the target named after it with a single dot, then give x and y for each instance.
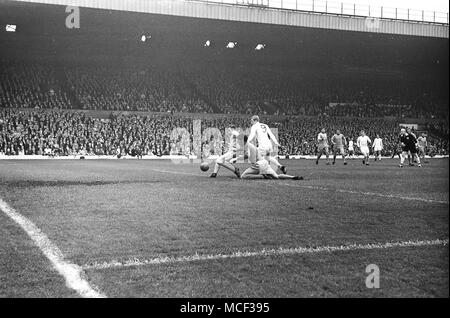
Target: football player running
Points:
(322, 146)
(363, 143)
(262, 133)
(338, 141)
(377, 147)
(351, 149)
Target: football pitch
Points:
(152, 228)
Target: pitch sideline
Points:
(72, 273)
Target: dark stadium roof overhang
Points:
(107, 34)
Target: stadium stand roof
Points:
(270, 14)
(107, 35)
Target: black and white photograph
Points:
(227, 154)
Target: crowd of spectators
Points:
(139, 89)
(329, 101)
(74, 133)
(230, 89)
(59, 132)
(31, 86)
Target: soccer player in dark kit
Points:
(408, 144)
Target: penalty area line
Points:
(262, 253)
(72, 273)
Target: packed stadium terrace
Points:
(320, 101)
(60, 132)
(215, 89)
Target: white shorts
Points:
(377, 149)
(265, 168)
(261, 167)
(265, 151)
(365, 151)
(252, 170)
(322, 149)
(270, 171)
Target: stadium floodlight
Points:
(145, 37)
(260, 47)
(231, 45)
(207, 43)
(10, 28)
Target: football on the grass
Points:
(204, 166)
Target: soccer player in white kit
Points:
(229, 157)
(351, 149)
(363, 145)
(377, 147)
(322, 146)
(265, 137)
(259, 167)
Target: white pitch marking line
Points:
(72, 273)
(391, 196)
(176, 172)
(264, 252)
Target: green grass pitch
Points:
(103, 211)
